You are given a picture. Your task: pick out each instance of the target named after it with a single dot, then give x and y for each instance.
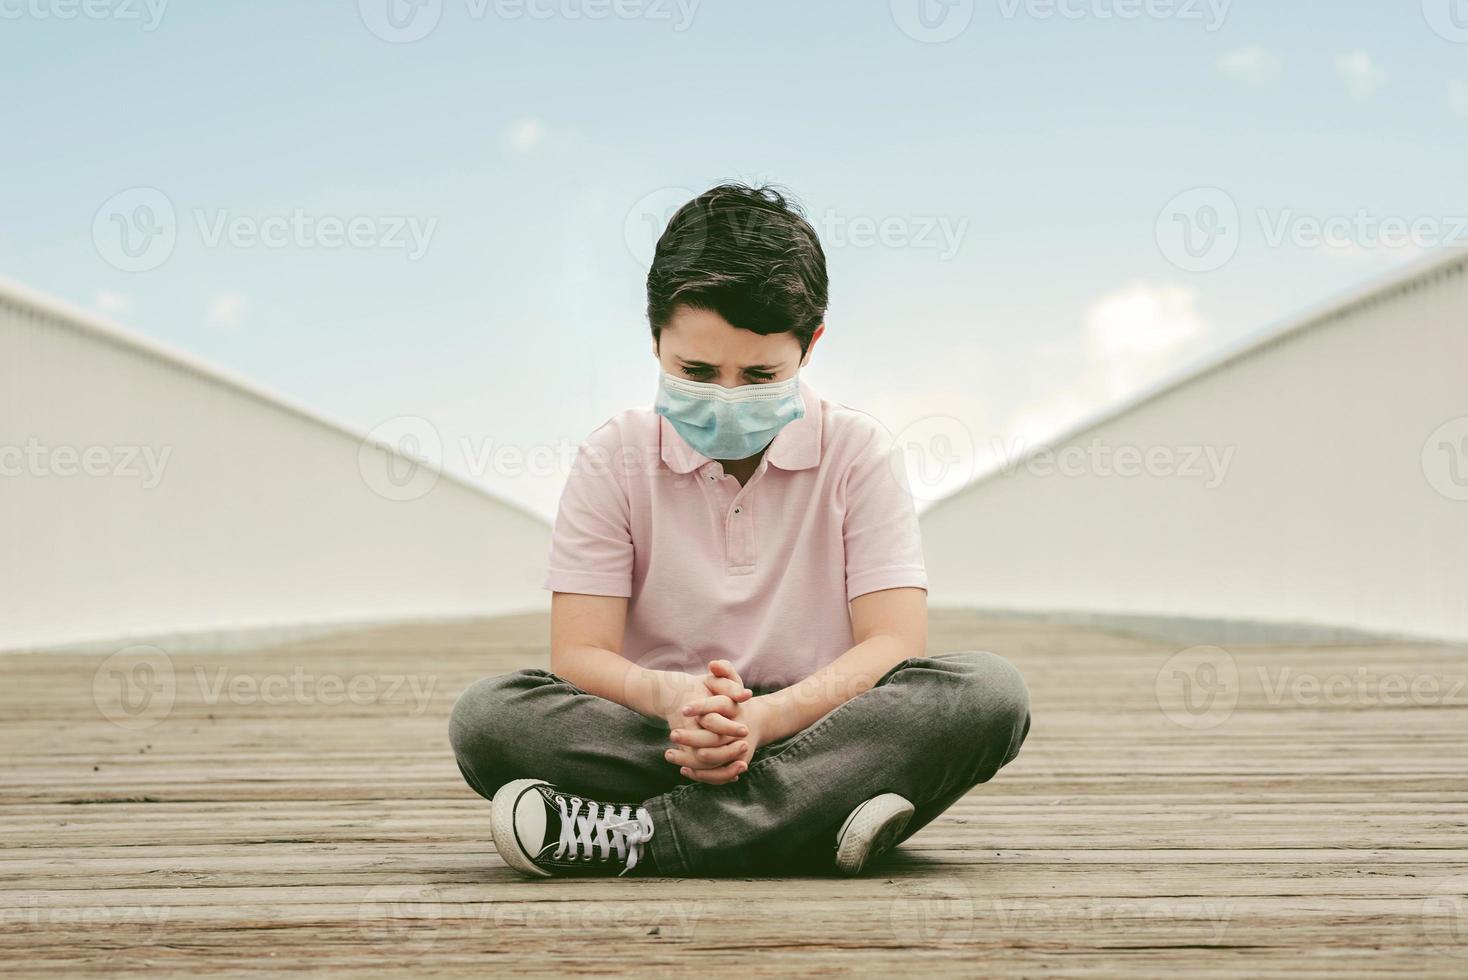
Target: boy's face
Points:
(700, 345)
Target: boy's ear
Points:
(815, 336)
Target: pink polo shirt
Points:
(759, 575)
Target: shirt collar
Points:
(797, 446)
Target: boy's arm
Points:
(590, 578)
(889, 626)
(586, 645)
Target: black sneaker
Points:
(541, 831)
(869, 830)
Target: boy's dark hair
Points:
(745, 253)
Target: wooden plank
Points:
(261, 824)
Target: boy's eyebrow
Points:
(748, 367)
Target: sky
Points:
(440, 212)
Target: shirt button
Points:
(736, 510)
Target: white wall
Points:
(1338, 507)
(261, 516)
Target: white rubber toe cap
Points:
(517, 821)
(870, 830)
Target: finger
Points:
(719, 704)
(719, 755)
(725, 670)
(685, 758)
(707, 758)
(723, 726)
(722, 685)
(700, 738)
(719, 776)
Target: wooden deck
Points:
(299, 808)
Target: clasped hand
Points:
(715, 727)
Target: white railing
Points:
(1318, 476)
(145, 495)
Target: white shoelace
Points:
(602, 827)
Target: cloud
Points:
(226, 312)
(1458, 96)
(1363, 76)
(1133, 337)
(1132, 333)
(113, 304)
(526, 134)
(1253, 64)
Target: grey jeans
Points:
(930, 729)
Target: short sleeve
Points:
(884, 548)
(591, 542)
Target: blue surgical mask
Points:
(728, 423)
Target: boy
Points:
(738, 679)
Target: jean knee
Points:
(996, 699)
(480, 721)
